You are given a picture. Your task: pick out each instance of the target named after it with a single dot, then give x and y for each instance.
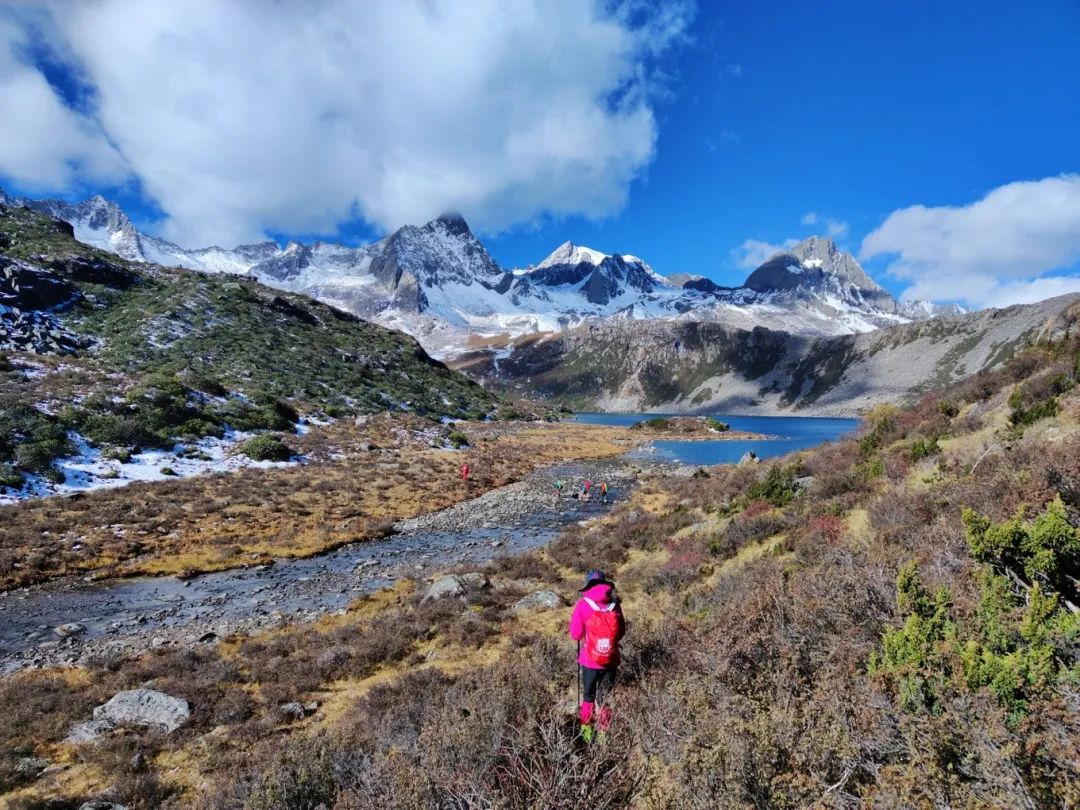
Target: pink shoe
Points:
(586, 712)
(605, 718)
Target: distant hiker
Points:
(464, 471)
(603, 491)
(559, 487)
(587, 486)
(597, 624)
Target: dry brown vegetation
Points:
(749, 679)
(360, 480)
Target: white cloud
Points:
(43, 143)
(752, 253)
(241, 117)
(995, 251)
(834, 228)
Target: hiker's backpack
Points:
(602, 632)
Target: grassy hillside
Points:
(898, 631)
(155, 356)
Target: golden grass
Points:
(211, 523)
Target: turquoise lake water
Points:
(786, 434)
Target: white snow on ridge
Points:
(87, 470)
(569, 253)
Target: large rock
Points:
(101, 804)
(538, 600)
(444, 587)
(90, 731)
(31, 767)
(456, 585)
(146, 708)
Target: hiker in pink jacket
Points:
(598, 625)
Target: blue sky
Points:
(849, 109)
(697, 136)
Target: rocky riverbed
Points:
(69, 622)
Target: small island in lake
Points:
(691, 427)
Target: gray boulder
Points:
(101, 804)
(90, 731)
(474, 581)
(291, 711)
(31, 767)
(147, 708)
(456, 585)
(443, 587)
(538, 600)
(70, 629)
(749, 457)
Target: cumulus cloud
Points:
(752, 253)
(44, 144)
(244, 117)
(1014, 245)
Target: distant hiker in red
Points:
(464, 471)
(597, 624)
(585, 487)
(603, 490)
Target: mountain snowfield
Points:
(438, 283)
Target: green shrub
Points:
(778, 486)
(922, 448)
(948, 409)
(10, 478)
(247, 416)
(114, 429)
(1022, 415)
(881, 422)
(913, 656)
(167, 471)
(121, 454)
(1046, 549)
(30, 439)
(717, 425)
(1012, 650)
(874, 467)
(458, 439)
(266, 447)
(204, 382)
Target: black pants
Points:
(593, 679)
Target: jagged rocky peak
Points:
(285, 265)
(453, 222)
(444, 250)
(810, 263)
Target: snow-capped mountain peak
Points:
(569, 253)
(438, 282)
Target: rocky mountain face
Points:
(438, 282)
(695, 366)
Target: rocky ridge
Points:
(687, 367)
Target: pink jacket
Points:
(601, 594)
